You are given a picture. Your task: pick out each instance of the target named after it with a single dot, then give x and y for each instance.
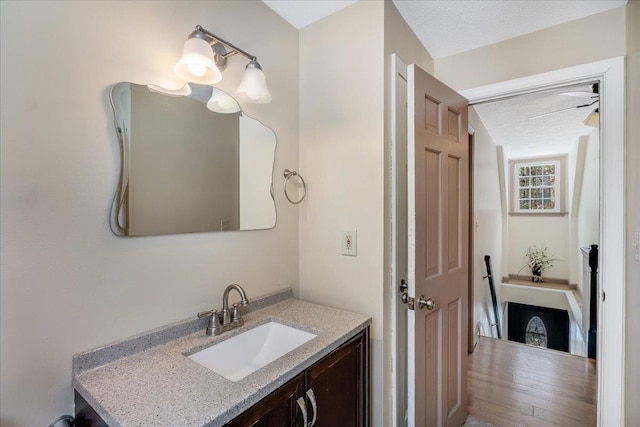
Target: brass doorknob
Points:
(429, 303)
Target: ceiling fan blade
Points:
(564, 109)
(551, 113)
(588, 95)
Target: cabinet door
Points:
(279, 409)
(340, 385)
(86, 416)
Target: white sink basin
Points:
(249, 351)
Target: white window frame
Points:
(559, 186)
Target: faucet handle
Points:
(235, 313)
(213, 328)
(207, 313)
(236, 318)
(214, 318)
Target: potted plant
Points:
(538, 260)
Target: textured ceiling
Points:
(509, 124)
(453, 26)
(446, 27)
(301, 13)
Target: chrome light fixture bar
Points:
(204, 57)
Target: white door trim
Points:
(611, 316)
(398, 331)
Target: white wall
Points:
(487, 225)
(557, 47)
(342, 160)
(549, 231)
(632, 295)
(589, 209)
(67, 283)
(575, 164)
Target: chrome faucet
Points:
(235, 319)
(223, 320)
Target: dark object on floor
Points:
(542, 326)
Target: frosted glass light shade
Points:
(197, 64)
(254, 85)
(221, 102)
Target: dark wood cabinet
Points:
(86, 416)
(338, 386)
(339, 383)
(279, 409)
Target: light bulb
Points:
(197, 63)
(197, 69)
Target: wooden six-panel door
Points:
(438, 166)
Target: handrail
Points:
(492, 288)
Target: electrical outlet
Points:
(350, 242)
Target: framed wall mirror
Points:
(191, 161)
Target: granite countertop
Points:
(154, 383)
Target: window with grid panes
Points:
(537, 187)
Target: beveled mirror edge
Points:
(117, 203)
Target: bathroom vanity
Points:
(151, 379)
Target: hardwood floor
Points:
(513, 384)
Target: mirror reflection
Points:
(192, 161)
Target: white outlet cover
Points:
(349, 242)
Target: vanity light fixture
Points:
(204, 57)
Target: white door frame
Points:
(611, 316)
(398, 336)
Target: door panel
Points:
(438, 171)
(432, 225)
(433, 366)
(455, 220)
(432, 115)
(453, 361)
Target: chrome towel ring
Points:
(288, 174)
